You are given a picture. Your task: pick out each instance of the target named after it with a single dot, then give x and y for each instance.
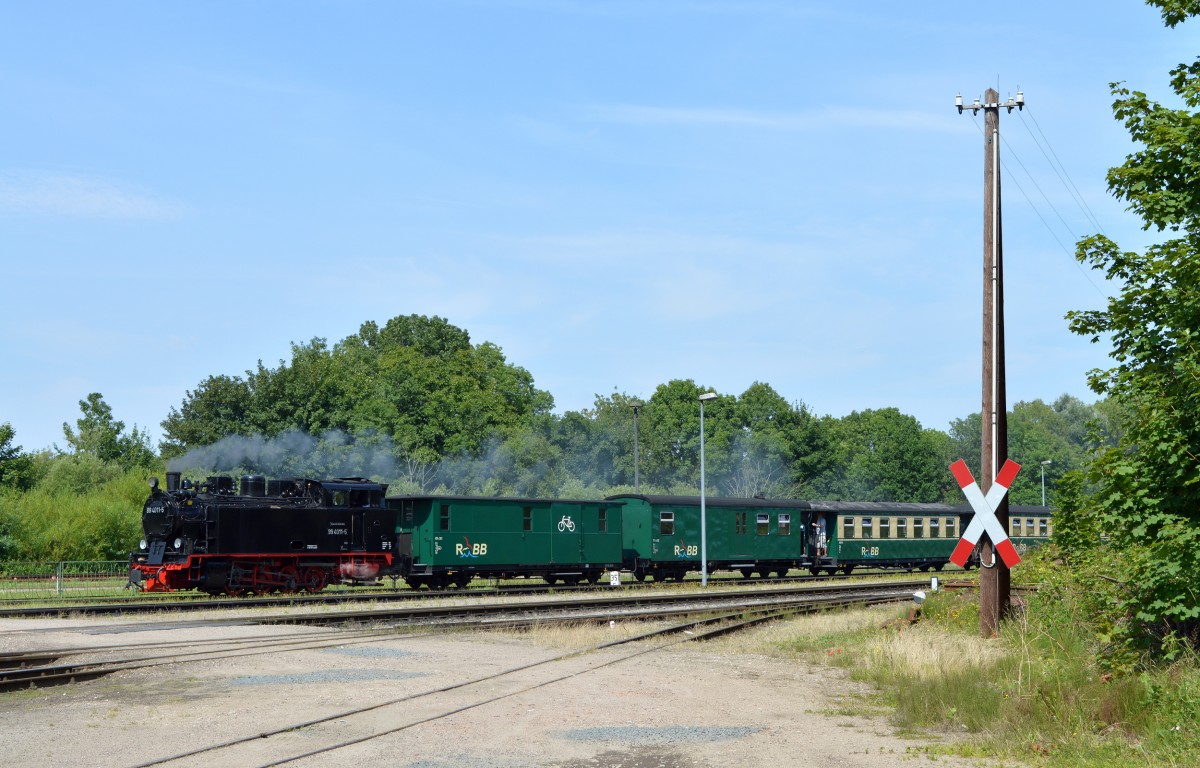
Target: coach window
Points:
(952, 528)
(444, 519)
(762, 523)
(739, 522)
(602, 523)
(666, 523)
(901, 528)
(918, 527)
(935, 528)
(1014, 526)
(785, 524)
(1029, 526)
(527, 519)
(847, 527)
(868, 525)
(885, 527)
(1043, 528)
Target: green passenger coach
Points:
(443, 540)
(888, 535)
(1029, 526)
(662, 535)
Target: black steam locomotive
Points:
(262, 536)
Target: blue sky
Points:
(616, 193)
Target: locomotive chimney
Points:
(173, 481)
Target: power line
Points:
(1068, 183)
(1012, 177)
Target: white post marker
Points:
(985, 513)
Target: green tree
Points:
(220, 406)
(15, 465)
(781, 447)
(417, 380)
(103, 437)
(1059, 433)
(1149, 485)
(671, 437)
(884, 455)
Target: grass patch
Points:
(1046, 693)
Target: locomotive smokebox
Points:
(173, 481)
(254, 485)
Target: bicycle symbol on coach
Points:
(566, 524)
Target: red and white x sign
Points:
(985, 513)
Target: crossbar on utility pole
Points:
(994, 580)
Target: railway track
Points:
(43, 668)
(136, 604)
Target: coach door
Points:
(405, 516)
(566, 535)
(742, 543)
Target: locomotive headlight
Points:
(142, 544)
(178, 543)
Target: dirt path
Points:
(695, 706)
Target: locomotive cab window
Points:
(762, 524)
(785, 524)
(885, 527)
(666, 523)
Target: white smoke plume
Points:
(295, 454)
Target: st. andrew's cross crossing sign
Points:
(985, 513)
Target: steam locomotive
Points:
(262, 536)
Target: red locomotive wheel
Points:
(315, 579)
(289, 576)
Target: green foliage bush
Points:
(74, 515)
(1059, 687)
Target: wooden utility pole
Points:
(994, 584)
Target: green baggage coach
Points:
(444, 540)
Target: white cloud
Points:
(46, 194)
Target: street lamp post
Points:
(637, 483)
(703, 515)
(1044, 463)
